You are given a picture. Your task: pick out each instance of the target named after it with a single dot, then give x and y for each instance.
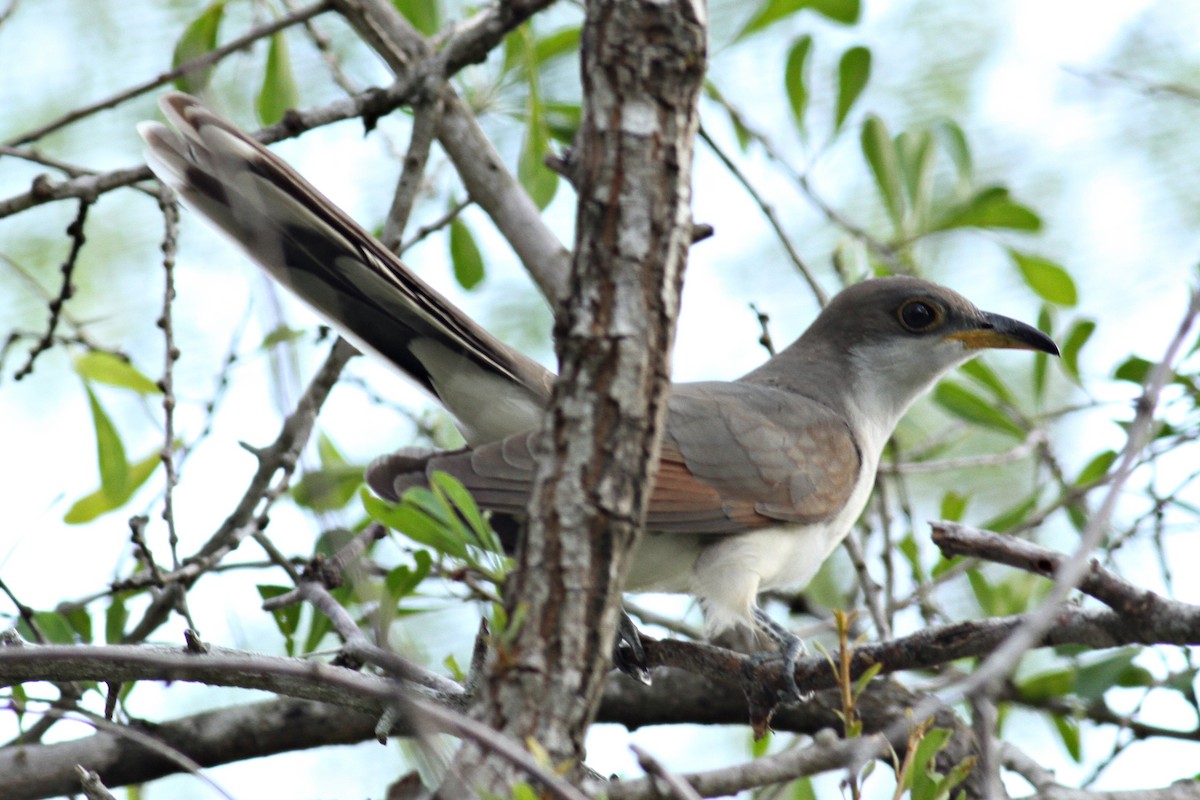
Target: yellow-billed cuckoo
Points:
(760, 477)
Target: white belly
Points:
(726, 572)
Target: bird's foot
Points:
(628, 654)
(791, 647)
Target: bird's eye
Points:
(918, 315)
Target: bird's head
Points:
(896, 336)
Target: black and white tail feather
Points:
(342, 272)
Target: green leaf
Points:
(1012, 517)
(562, 120)
(53, 625)
(1054, 683)
(1076, 338)
(281, 334)
(99, 502)
(278, 93)
(989, 208)
(954, 142)
(199, 38)
(881, 156)
(328, 452)
(536, 178)
(795, 78)
(425, 15)
(100, 367)
(917, 160)
(415, 522)
(769, 12)
(1096, 469)
(110, 452)
(1041, 362)
(954, 505)
(1050, 281)
(81, 623)
(982, 589)
(1134, 369)
(562, 42)
(761, 746)
(968, 406)
(1109, 671)
(287, 619)
(457, 495)
(404, 580)
(464, 255)
(1068, 734)
(854, 70)
(328, 489)
(987, 377)
(115, 617)
(802, 789)
(912, 554)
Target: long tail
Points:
(331, 263)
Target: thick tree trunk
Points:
(643, 63)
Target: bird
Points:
(760, 477)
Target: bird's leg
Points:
(790, 645)
(628, 655)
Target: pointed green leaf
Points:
(1050, 281)
(1097, 468)
(53, 625)
(564, 42)
(404, 579)
(795, 79)
(954, 505)
(280, 335)
(100, 367)
(1110, 671)
(1068, 734)
(854, 70)
(424, 15)
(99, 502)
(1041, 362)
(954, 142)
(1076, 338)
(110, 452)
(917, 161)
(278, 93)
(881, 156)
(537, 179)
(328, 489)
(912, 555)
(80, 620)
(464, 505)
(199, 38)
(989, 208)
(414, 522)
(769, 12)
(287, 618)
(1012, 517)
(1053, 683)
(968, 406)
(115, 617)
(1134, 369)
(464, 255)
(987, 377)
(984, 595)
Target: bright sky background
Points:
(1110, 167)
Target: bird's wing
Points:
(734, 458)
(317, 251)
(738, 456)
